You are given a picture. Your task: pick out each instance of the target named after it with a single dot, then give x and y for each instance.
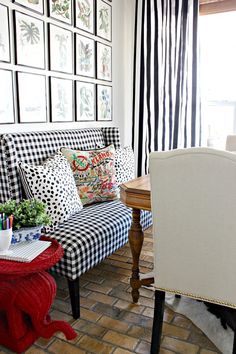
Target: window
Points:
(218, 76)
(216, 6)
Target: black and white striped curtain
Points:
(166, 109)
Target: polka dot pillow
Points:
(52, 183)
(124, 164)
(94, 173)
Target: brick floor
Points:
(111, 323)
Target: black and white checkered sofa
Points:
(90, 235)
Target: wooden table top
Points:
(137, 193)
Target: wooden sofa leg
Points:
(73, 286)
(157, 321)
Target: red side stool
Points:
(26, 294)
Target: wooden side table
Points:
(26, 294)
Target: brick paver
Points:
(110, 323)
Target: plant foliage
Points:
(27, 213)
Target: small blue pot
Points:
(26, 234)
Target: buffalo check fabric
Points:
(91, 235)
(111, 136)
(35, 147)
(5, 192)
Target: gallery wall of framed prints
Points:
(55, 61)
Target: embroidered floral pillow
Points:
(94, 173)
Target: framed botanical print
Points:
(31, 98)
(84, 12)
(104, 60)
(60, 54)
(104, 103)
(61, 92)
(36, 5)
(85, 56)
(29, 41)
(104, 15)
(61, 10)
(4, 34)
(6, 101)
(85, 101)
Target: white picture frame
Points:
(61, 93)
(60, 54)
(30, 41)
(61, 10)
(85, 56)
(5, 54)
(85, 101)
(31, 98)
(33, 5)
(104, 103)
(104, 62)
(84, 15)
(104, 20)
(6, 101)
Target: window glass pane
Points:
(218, 76)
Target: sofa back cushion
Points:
(94, 173)
(124, 165)
(52, 183)
(36, 147)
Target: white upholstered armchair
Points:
(194, 219)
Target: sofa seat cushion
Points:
(93, 234)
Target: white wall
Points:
(123, 43)
(129, 10)
(122, 54)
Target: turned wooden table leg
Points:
(136, 243)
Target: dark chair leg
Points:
(157, 321)
(234, 347)
(74, 297)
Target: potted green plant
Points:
(29, 218)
